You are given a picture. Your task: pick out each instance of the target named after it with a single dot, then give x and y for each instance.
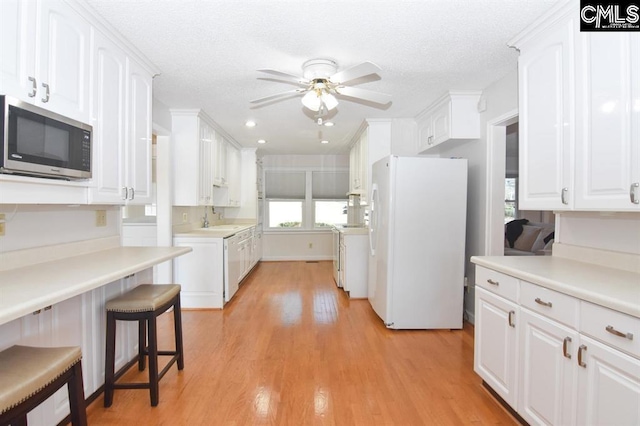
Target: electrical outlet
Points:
(310, 245)
(185, 217)
(101, 218)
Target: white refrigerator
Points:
(417, 241)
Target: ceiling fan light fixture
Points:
(311, 101)
(329, 101)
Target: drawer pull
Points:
(580, 350)
(565, 345)
(511, 314)
(492, 282)
(615, 332)
(543, 303)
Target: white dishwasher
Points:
(237, 261)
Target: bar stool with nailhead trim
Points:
(143, 304)
(30, 375)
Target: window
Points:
(510, 199)
(312, 199)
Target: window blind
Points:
(330, 185)
(285, 185)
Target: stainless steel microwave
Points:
(37, 142)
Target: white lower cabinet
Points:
(79, 321)
(355, 251)
(609, 386)
(556, 359)
(548, 371)
(495, 351)
(200, 272)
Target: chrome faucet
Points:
(205, 222)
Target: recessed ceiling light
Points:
(324, 141)
(250, 123)
(328, 123)
(261, 141)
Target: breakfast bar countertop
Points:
(28, 288)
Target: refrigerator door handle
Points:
(373, 220)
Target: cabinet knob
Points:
(581, 349)
(46, 92)
(633, 190)
(615, 332)
(34, 87)
(565, 346)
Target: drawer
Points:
(549, 303)
(497, 282)
(606, 325)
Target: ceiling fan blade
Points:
(286, 76)
(366, 95)
(354, 72)
(277, 95)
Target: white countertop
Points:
(354, 230)
(219, 231)
(613, 288)
(30, 288)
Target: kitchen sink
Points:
(221, 228)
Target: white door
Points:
(18, 44)
(608, 148)
(139, 136)
(495, 351)
(546, 77)
(109, 118)
(547, 390)
(608, 386)
(379, 240)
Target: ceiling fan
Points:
(321, 85)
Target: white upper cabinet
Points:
(121, 112)
(453, 116)
(579, 96)
(45, 56)
(108, 113)
(203, 160)
(545, 71)
(139, 147)
(608, 123)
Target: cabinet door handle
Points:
(511, 314)
(563, 195)
(430, 140)
(581, 349)
(133, 193)
(565, 345)
(125, 195)
(543, 303)
(492, 282)
(46, 92)
(615, 332)
(34, 87)
(632, 192)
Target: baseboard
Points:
(295, 258)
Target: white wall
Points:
(501, 97)
(618, 232)
(29, 226)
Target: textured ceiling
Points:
(208, 52)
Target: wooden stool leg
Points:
(153, 359)
(177, 323)
(20, 421)
(142, 343)
(109, 363)
(76, 397)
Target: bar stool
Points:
(30, 375)
(143, 304)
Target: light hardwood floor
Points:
(292, 349)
